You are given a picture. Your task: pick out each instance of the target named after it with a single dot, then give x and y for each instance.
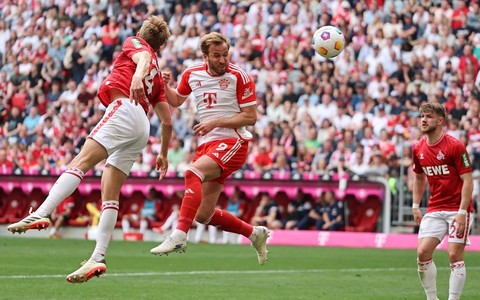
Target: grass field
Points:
(36, 269)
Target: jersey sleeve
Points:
(246, 94)
(461, 159)
(133, 45)
(183, 88)
(416, 163)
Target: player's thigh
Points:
(91, 154)
(123, 132)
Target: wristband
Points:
(415, 205)
(462, 212)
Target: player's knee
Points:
(193, 173)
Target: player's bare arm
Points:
(467, 190)
(173, 98)
(247, 116)
(419, 182)
(162, 110)
(142, 60)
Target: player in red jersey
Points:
(226, 103)
(443, 161)
(134, 83)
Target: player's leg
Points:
(91, 154)
(112, 181)
(456, 248)
(203, 169)
(432, 230)
(223, 220)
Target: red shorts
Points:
(229, 154)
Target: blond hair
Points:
(155, 32)
(435, 107)
(213, 38)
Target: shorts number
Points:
(222, 147)
(454, 233)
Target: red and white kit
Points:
(442, 163)
(221, 97)
(124, 129)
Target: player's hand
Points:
(161, 166)
(417, 215)
(460, 222)
(137, 92)
(203, 128)
(167, 76)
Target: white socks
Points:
(178, 235)
(65, 185)
(427, 271)
(108, 219)
(457, 280)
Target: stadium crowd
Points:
(355, 114)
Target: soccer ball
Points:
(328, 41)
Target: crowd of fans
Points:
(356, 114)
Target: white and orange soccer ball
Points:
(328, 41)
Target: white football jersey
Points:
(219, 97)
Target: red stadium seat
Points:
(363, 216)
(15, 206)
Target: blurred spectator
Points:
(61, 216)
(333, 215)
(146, 214)
(267, 213)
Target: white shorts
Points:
(440, 223)
(123, 130)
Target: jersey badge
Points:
(136, 43)
(466, 160)
(440, 155)
(224, 84)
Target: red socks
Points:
(191, 200)
(224, 220)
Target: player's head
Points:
(215, 47)
(433, 115)
(155, 32)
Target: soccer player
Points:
(225, 102)
(122, 133)
(443, 161)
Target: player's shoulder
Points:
(239, 73)
(420, 143)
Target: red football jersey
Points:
(123, 69)
(443, 163)
(219, 97)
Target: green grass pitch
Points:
(36, 269)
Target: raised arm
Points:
(142, 60)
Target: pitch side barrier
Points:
(252, 184)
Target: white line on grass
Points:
(225, 272)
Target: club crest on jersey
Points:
(223, 84)
(440, 155)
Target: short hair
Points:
(155, 32)
(212, 38)
(437, 108)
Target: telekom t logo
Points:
(210, 99)
(380, 240)
(323, 237)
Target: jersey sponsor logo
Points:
(210, 99)
(136, 43)
(436, 170)
(440, 155)
(466, 160)
(223, 83)
(247, 93)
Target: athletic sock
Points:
(108, 219)
(65, 185)
(427, 272)
(225, 221)
(458, 276)
(191, 200)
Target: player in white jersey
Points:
(226, 103)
